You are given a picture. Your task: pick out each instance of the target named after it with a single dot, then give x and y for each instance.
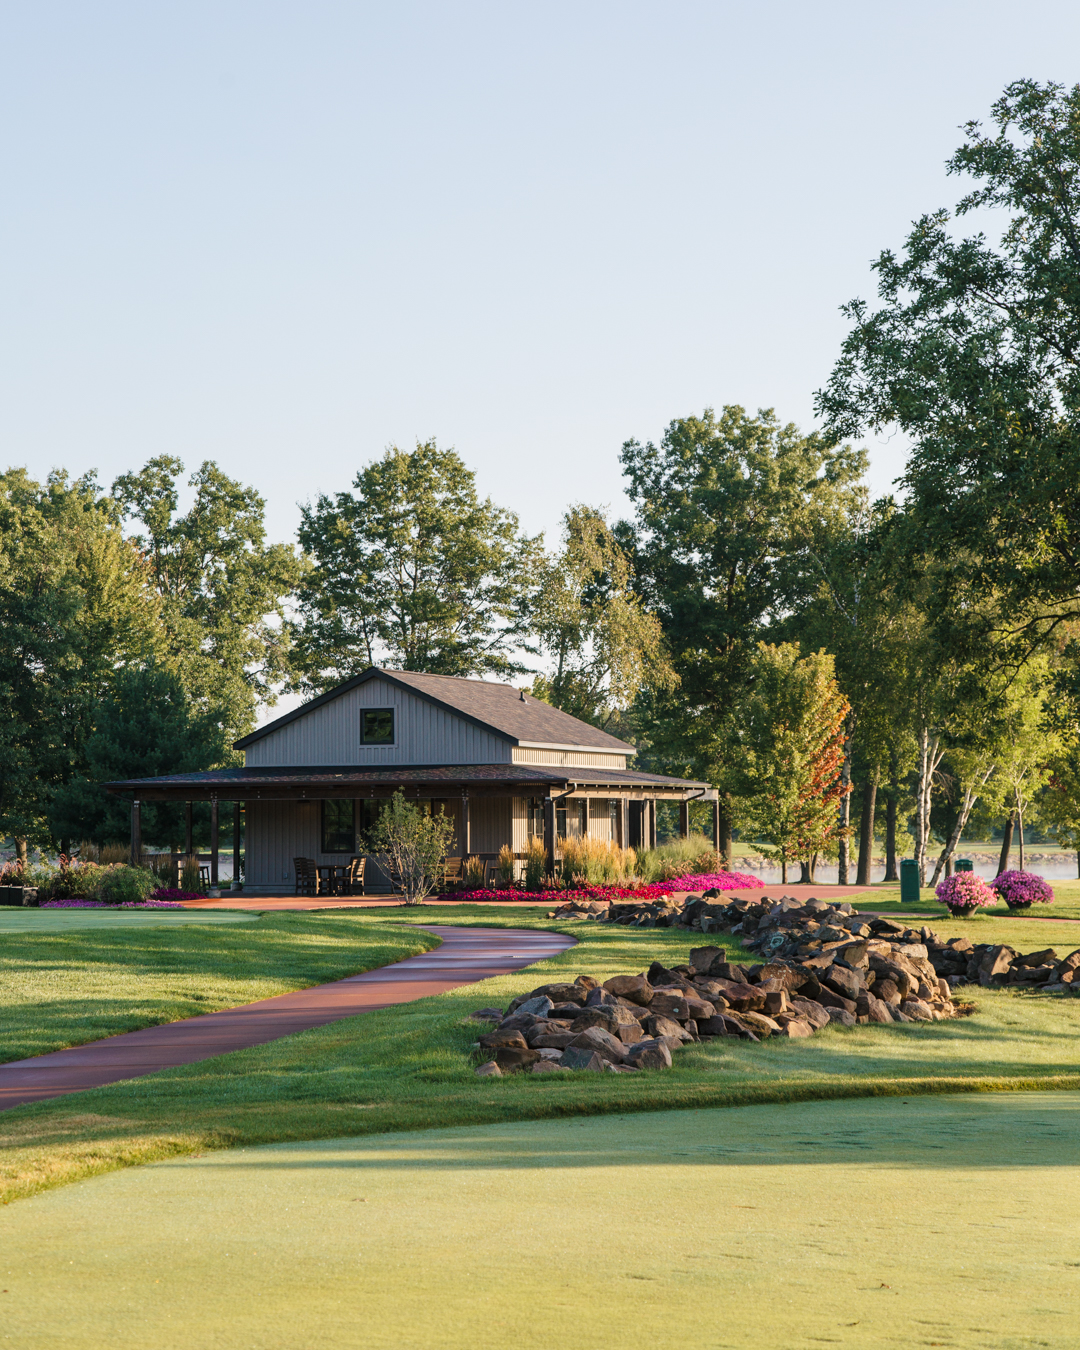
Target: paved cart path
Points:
(466, 955)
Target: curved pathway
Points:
(466, 955)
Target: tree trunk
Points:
(866, 829)
(891, 873)
(844, 814)
(723, 841)
(1006, 845)
(783, 869)
(804, 875)
(971, 796)
(930, 756)
(1020, 832)
(20, 850)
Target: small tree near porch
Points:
(415, 844)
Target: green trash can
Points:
(909, 881)
(964, 865)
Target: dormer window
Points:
(377, 726)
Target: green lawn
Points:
(71, 976)
(408, 1068)
(886, 898)
(919, 1221)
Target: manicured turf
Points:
(925, 1221)
(1066, 904)
(409, 1068)
(20, 920)
(65, 984)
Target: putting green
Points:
(950, 1221)
(27, 920)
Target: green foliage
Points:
(726, 508)
(535, 864)
(678, 857)
(603, 645)
(122, 885)
(791, 750)
(146, 725)
(222, 587)
(415, 843)
(76, 610)
(974, 353)
(413, 570)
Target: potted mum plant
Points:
(963, 893)
(1021, 890)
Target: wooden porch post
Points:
(136, 831)
(651, 808)
(187, 828)
(236, 842)
(466, 827)
(716, 822)
(213, 841)
(549, 834)
(684, 820)
(624, 838)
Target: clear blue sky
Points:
(283, 236)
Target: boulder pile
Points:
(821, 964)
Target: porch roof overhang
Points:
(426, 781)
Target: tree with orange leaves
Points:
(790, 732)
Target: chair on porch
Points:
(491, 874)
(307, 878)
(451, 872)
(353, 880)
(204, 874)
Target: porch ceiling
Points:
(443, 780)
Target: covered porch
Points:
(325, 814)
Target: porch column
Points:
(624, 840)
(716, 822)
(549, 834)
(136, 831)
(651, 809)
(187, 828)
(466, 827)
(684, 820)
(213, 841)
(236, 842)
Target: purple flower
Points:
(1022, 888)
(965, 890)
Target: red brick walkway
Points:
(466, 955)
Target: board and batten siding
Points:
(566, 759)
(330, 735)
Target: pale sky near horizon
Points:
(284, 235)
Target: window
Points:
(534, 809)
(338, 827)
(377, 726)
(369, 814)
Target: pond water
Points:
(1054, 867)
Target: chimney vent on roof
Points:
(523, 696)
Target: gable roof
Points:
(499, 708)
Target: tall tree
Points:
(76, 608)
(974, 354)
(412, 570)
(724, 506)
(791, 729)
(603, 646)
(223, 589)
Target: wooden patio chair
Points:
(491, 874)
(307, 878)
(204, 874)
(353, 883)
(451, 872)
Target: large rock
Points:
(725, 970)
(742, 997)
(1065, 970)
(657, 1025)
(491, 1040)
(994, 965)
(560, 993)
(813, 1013)
(841, 1016)
(1046, 957)
(776, 1001)
(650, 1055)
(703, 958)
(582, 1057)
(489, 1070)
(846, 983)
(549, 1040)
(785, 977)
(670, 1003)
(878, 1011)
(658, 974)
(636, 988)
(917, 1010)
(795, 1027)
(510, 1057)
(603, 1042)
(763, 1026)
(548, 1066)
(888, 991)
(828, 999)
(596, 997)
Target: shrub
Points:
(75, 880)
(678, 858)
(190, 874)
(121, 885)
(535, 863)
(1020, 889)
(964, 891)
(595, 862)
(506, 864)
(415, 844)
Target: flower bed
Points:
(718, 881)
(965, 892)
(169, 893)
(100, 904)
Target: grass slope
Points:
(886, 898)
(408, 1068)
(931, 1221)
(66, 986)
